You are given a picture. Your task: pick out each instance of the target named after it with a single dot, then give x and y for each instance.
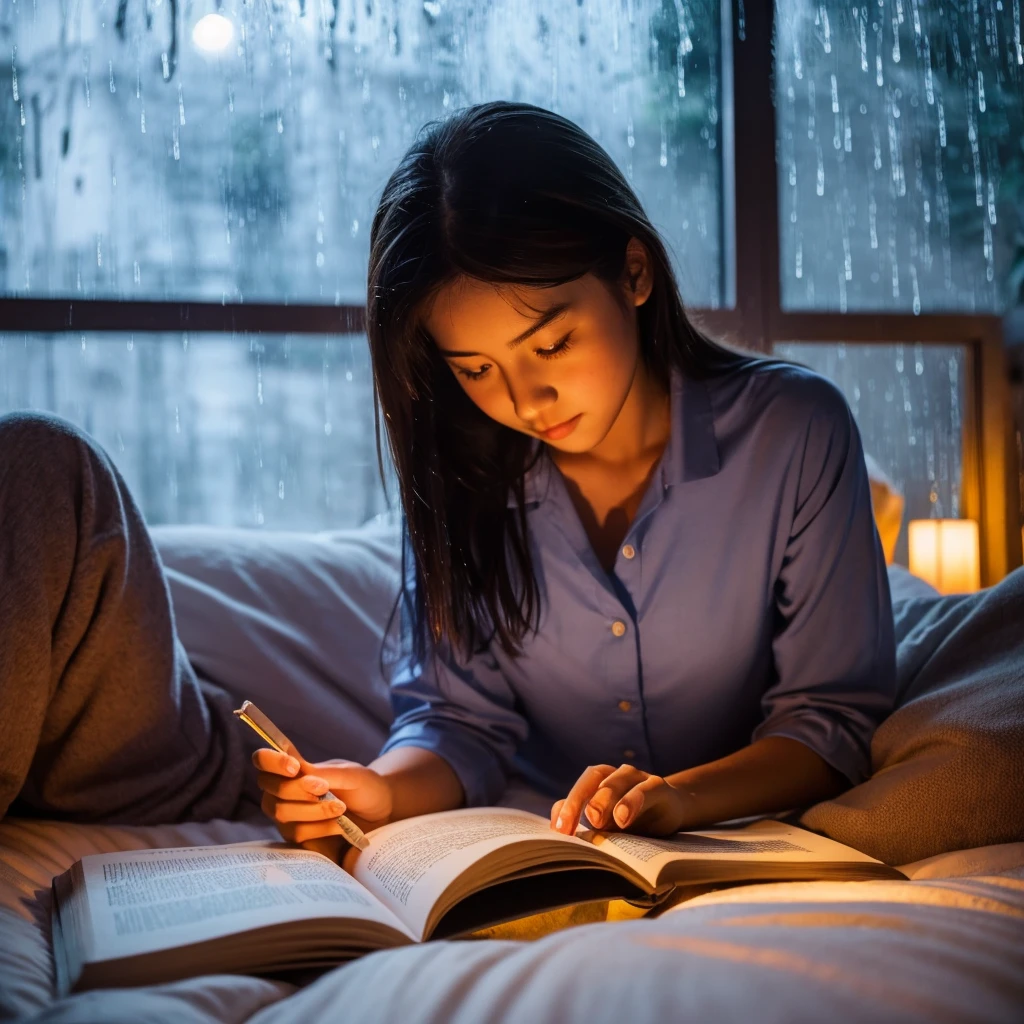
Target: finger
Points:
(662, 811)
(303, 832)
(611, 790)
(632, 804)
(294, 810)
(333, 847)
(344, 778)
(267, 760)
(585, 787)
(306, 787)
(555, 808)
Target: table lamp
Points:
(944, 553)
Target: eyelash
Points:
(559, 348)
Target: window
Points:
(212, 167)
(901, 174)
(232, 150)
(272, 432)
(908, 401)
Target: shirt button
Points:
(629, 551)
(619, 628)
(629, 754)
(624, 705)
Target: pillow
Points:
(887, 505)
(948, 763)
(293, 622)
(904, 586)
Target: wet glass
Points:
(908, 402)
(269, 431)
(901, 169)
(234, 150)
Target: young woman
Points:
(642, 568)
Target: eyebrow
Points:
(544, 320)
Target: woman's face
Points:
(555, 363)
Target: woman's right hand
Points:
(292, 787)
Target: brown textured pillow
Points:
(948, 764)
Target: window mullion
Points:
(58, 315)
(756, 195)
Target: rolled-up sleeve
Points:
(833, 645)
(464, 711)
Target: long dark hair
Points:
(512, 194)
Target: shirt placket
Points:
(629, 709)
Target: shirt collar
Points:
(691, 453)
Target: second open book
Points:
(151, 916)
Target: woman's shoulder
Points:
(788, 394)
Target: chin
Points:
(576, 443)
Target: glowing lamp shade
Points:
(213, 33)
(944, 553)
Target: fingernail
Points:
(559, 823)
(316, 786)
(621, 815)
(336, 806)
(292, 767)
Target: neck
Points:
(640, 431)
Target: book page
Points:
(410, 863)
(146, 900)
(759, 841)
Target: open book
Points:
(151, 916)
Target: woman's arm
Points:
(420, 782)
(772, 774)
(399, 784)
(833, 647)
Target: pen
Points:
(259, 723)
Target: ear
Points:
(637, 274)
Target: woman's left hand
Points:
(623, 798)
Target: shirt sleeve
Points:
(464, 711)
(833, 644)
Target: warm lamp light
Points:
(944, 553)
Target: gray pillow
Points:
(948, 764)
(293, 622)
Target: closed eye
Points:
(473, 374)
(557, 349)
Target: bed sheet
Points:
(31, 854)
(946, 946)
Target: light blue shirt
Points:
(749, 598)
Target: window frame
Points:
(750, 275)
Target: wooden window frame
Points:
(750, 272)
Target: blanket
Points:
(948, 763)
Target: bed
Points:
(946, 945)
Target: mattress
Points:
(948, 945)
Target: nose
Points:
(531, 397)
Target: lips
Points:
(560, 430)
